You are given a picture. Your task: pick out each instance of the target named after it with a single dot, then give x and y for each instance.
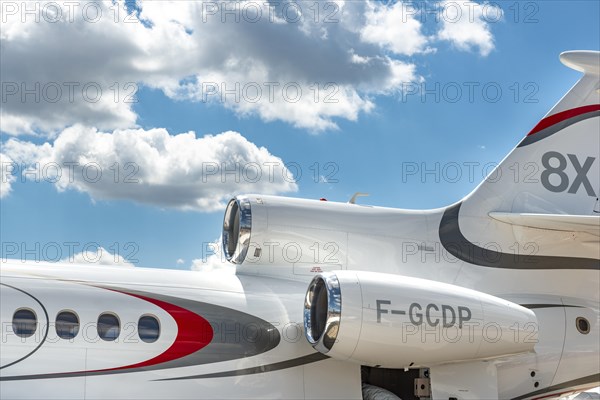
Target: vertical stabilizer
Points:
(542, 200)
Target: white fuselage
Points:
(89, 367)
(243, 359)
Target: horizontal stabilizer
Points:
(557, 222)
(584, 61)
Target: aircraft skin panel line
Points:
(45, 333)
(559, 222)
(586, 380)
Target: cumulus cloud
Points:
(393, 27)
(466, 25)
(6, 175)
(99, 256)
(214, 262)
(84, 62)
(305, 63)
(153, 167)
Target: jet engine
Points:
(264, 231)
(393, 321)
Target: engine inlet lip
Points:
(323, 340)
(238, 209)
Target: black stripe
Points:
(456, 244)
(565, 385)
(534, 306)
(47, 325)
(295, 362)
(551, 130)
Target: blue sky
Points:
(368, 151)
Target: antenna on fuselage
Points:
(357, 195)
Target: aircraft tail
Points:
(555, 168)
(542, 200)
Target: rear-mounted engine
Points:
(394, 321)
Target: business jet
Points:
(494, 297)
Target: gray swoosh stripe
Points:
(229, 341)
(456, 244)
(565, 385)
(45, 333)
(295, 362)
(551, 130)
(236, 334)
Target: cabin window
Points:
(24, 323)
(67, 325)
(109, 327)
(583, 325)
(148, 328)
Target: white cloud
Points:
(99, 256)
(83, 62)
(393, 27)
(82, 70)
(153, 167)
(214, 262)
(466, 25)
(7, 176)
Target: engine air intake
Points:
(322, 311)
(237, 226)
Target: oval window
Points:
(148, 329)
(67, 325)
(109, 327)
(583, 325)
(24, 323)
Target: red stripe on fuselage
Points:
(563, 115)
(193, 333)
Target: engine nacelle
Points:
(278, 231)
(395, 321)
